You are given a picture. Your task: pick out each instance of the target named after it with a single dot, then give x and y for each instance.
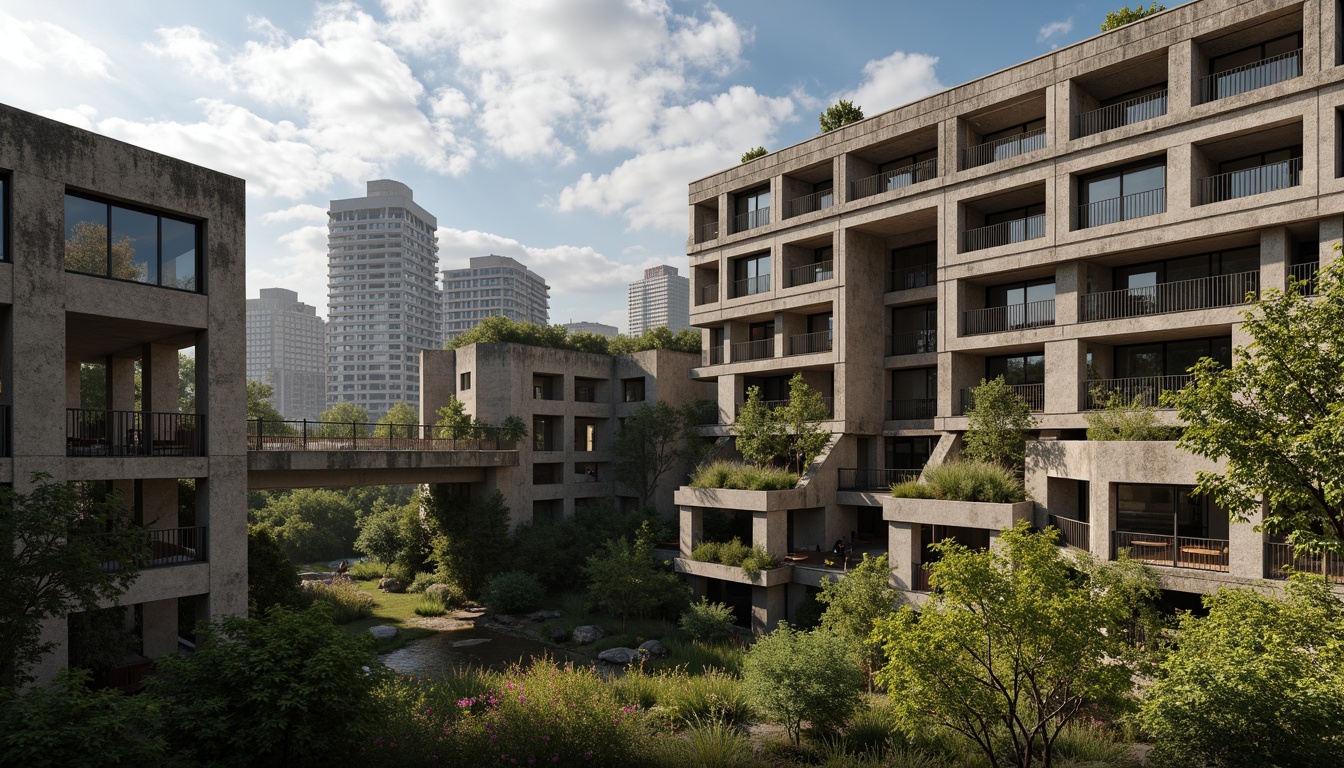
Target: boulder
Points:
(559, 635)
(441, 592)
(543, 615)
(620, 655)
(391, 585)
(587, 634)
(383, 631)
(653, 648)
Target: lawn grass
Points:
(394, 610)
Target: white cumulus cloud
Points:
(895, 80)
(1054, 29)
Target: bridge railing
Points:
(304, 435)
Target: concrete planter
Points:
(770, 578)
(963, 514)
(750, 501)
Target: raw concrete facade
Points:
(286, 348)
(1083, 221)
(572, 404)
(493, 285)
(662, 298)
(384, 305)
(184, 292)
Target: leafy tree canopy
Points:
(855, 604)
(790, 433)
(794, 677)
(499, 329)
(998, 422)
(654, 441)
(272, 578)
(1125, 15)
(311, 524)
(395, 421)
(1121, 419)
(62, 725)
(838, 114)
(345, 420)
(752, 154)
(624, 579)
(470, 536)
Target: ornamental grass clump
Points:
(736, 475)
(964, 481)
(348, 602)
(752, 560)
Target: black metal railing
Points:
(873, 479)
(169, 546)
(1249, 181)
(1281, 559)
(708, 232)
(1033, 314)
(810, 343)
(712, 356)
(303, 435)
(1003, 233)
(923, 408)
(1146, 389)
(1173, 551)
(1128, 112)
(751, 220)
(753, 350)
(585, 394)
(1072, 533)
(133, 433)
(893, 179)
(751, 286)
(1249, 77)
(1176, 296)
(6, 449)
(1002, 149)
(1032, 394)
(707, 414)
(817, 201)
(708, 294)
(1134, 206)
(913, 342)
(908, 278)
(1304, 274)
(811, 273)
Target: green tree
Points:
(658, 337)
(1125, 15)
(757, 439)
(855, 604)
(792, 677)
(997, 424)
(752, 154)
(100, 639)
(1121, 419)
(513, 428)
(272, 578)
(452, 421)
(1010, 649)
(1277, 416)
(655, 440)
(624, 579)
(840, 113)
(585, 341)
(470, 536)
(1257, 682)
(707, 622)
(381, 534)
(259, 407)
(344, 420)
(398, 422)
(285, 690)
(800, 423)
(57, 538)
(186, 383)
(73, 724)
(311, 524)
(498, 329)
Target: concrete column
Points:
(904, 553)
(1180, 178)
(947, 147)
(1059, 107)
(121, 383)
(797, 595)
(72, 384)
(957, 371)
(770, 531)
(1070, 285)
(768, 607)
(1313, 36)
(1275, 251)
(1246, 549)
(1331, 234)
(158, 628)
(1065, 370)
(725, 218)
(777, 201)
(1330, 32)
(692, 529)
(729, 396)
(57, 632)
(1181, 81)
(1101, 518)
(1240, 338)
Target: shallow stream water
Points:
(470, 646)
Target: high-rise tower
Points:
(493, 285)
(286, 348)
(661, 298)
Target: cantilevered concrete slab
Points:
(268, 470)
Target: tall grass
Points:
(737, 475)
(348, 603)
(964, 481)
(711, 745)
(752, 560)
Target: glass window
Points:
(135, 246)
(126, 244)
(1171, 358)
(1017, 369)
(914, 384)
(85, 236)
(908, 452)
(1019, 293)
(634, 390)
(179, 254)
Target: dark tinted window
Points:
(126, 244)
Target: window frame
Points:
(199, 225)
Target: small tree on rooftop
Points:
(1125, 15)
(756, 439)
(800, 422)
(998, 423)
(452, 421)
(752, 154)
(841, 113)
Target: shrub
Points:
(752, 560)
(512, 592)
(743, 477)
(428, 606)
(733, 552)
(62, 726)
(706, 552)
(447, 595)
(793, 676)
(347, 602)
(710, 697)
(367, 570)
(708, 622)
(912, 489)
(423, 581)
(1122, 419)
(974, 481)
(758, 560)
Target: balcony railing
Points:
(817, 201)
(1147, 389)
(873, 479)
(1003, 233)
(753, 350)
(712, 356)
(302, 435)
(1249, 77)
(1304, 273)
(811, 273)
(707, 232)
(893, 179)
(133, 433)
(751, 286)
(908, 278)
(751, 220)
(1002, 149)
(771, 405)
(920, 576)
(707, 414)
(810, 343)
(708, 294)
(1173, 551)
(1134, 110)
(1032, 394)
(1033, 314)
(1281, 559)
(1072, 533)
(898, 410)
(1251, 181)
(5, 439)
(1134, 206)
(913, 342)
(1177, 296)
(169, 546)
(585, 394)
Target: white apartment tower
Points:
(286, 348)
(661, 298)
(384, 306)
(493, 285)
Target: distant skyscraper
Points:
(384, 305)
(661, 298)
(601, 329)
(493, 285)
(286, 349)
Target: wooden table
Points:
(1149, 544)
(1205, 551)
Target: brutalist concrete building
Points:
(1087, 221)
(118, 258)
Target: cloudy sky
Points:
(559, 132)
